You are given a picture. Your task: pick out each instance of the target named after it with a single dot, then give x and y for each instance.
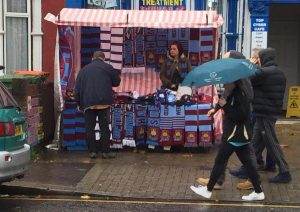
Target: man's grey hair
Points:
(99, 54)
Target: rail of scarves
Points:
(155, 121)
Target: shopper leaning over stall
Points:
(94, 96)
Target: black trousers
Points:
(244, 155)
(90, 123)
(264, 136)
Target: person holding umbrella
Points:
(236, 138)
(175, 68)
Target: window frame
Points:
(18, 15)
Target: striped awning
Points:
(174, 19)
(89, 17)
(137, 18)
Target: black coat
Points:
(269, 86)
(94, 84)
(236, 123)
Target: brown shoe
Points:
(247, 185)
(204, 182)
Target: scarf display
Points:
(117, 123)
(80, 129)
(150, 47)
(207, 45)
(128, 139)
(204, 126)
(178, 126)
(153, 124)
(167, 112)
(105, 37)
(191, 126)
(69, 124)
(140, 128)
(133, 58)
(194, 47)
(128, 49)
(161, 47)
(66, 57)
(90, 42)
(116, 48)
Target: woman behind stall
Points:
(175, 68)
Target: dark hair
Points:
(179, 47)
(236, 55)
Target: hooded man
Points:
(269, 86)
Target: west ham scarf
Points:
(140, 128)
(204, 126)
(117, 126)
(191, 125)
(153, 131)
(128, 139)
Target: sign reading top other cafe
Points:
(162, 4)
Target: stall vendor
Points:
(175, 68)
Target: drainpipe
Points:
(231, 34)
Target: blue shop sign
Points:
(162, 5)
(259, 32)
(259, 24)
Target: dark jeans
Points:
(264, 136)
(244, 155)
(90, 123)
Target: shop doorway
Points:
(284, 36)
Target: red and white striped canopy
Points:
(174, 19)
(137, 18)
(89, 17)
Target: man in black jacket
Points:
(94, 96)
(269, 87)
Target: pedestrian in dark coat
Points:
(94, 96)
(236, 138)
(269, 86)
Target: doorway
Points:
(284, 35)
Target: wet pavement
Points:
(155, 176)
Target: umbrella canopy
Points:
(220, 71)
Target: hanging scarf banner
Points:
(162, 5)
(66, 57)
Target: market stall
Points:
(135, 42)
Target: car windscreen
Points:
(6, 99)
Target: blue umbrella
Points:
(220, 71)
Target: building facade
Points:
(27, 42)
